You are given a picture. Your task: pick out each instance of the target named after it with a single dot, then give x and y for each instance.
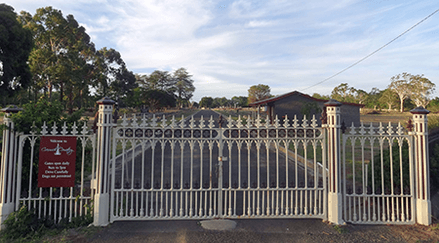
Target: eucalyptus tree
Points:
(61, 55)
(422, 88)
(15, 47)
(400, 84)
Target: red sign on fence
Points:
(57, 161)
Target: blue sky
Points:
(229, 46)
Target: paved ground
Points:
(265, 230)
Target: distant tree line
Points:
(405, 91)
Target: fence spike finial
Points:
(362, 129)
(44, 129)
(74, 129)
(54, 129)
(154, 121)
(400, 129)
(381, 129)
(64, 129)
(304, 122)
(84, 130)
(239, 122)
(295, 122)
(390, 128)
(276, 122)
(286, 121)
(124, 120)
(164, 121)
(134, 121)
(313, 121)
(230, 122)
(371, 129)
(211, 122)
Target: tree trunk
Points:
(402, 105)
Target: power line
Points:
(364, 58)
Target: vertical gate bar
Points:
(401, 182)
(93, 164)
(220, 172)
(182, 144)
(162, 171)
(19, 171)
(244, 208)
(201, 145)
(153, 144)
(191, 180)
(142, 181)
(323, 144)
(372, 161)
(392, 192)
(412, 178)
(166, 214)
(83, 141)
(277, 176)
(133, 149)
(230, 145)
(147, 209)
(172, 143)
(113, 214)
(157, 202)
(287, 185)
(382, 178)
(305, 156)
(31, 168)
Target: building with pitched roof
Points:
(300, 105)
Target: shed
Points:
(298, 104)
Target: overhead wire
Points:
(364, 58)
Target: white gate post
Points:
(7, 172)
(334, 175)
(102, 196)
(422, 168)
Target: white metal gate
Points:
(162, 169)
(378, 175)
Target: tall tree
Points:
(62, 53)
(160, 80)
(107, 62)
(184, 85)
(258, 92)
(400, 84)
(15, 47)
(422, 88)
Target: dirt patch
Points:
(417, 233)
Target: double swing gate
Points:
(199, 168)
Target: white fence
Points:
(56, 203)
(160, 169)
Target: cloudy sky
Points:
(289, 45)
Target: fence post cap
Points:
(106, 101)
(12, 109)
(333, 102)
(419, 110)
